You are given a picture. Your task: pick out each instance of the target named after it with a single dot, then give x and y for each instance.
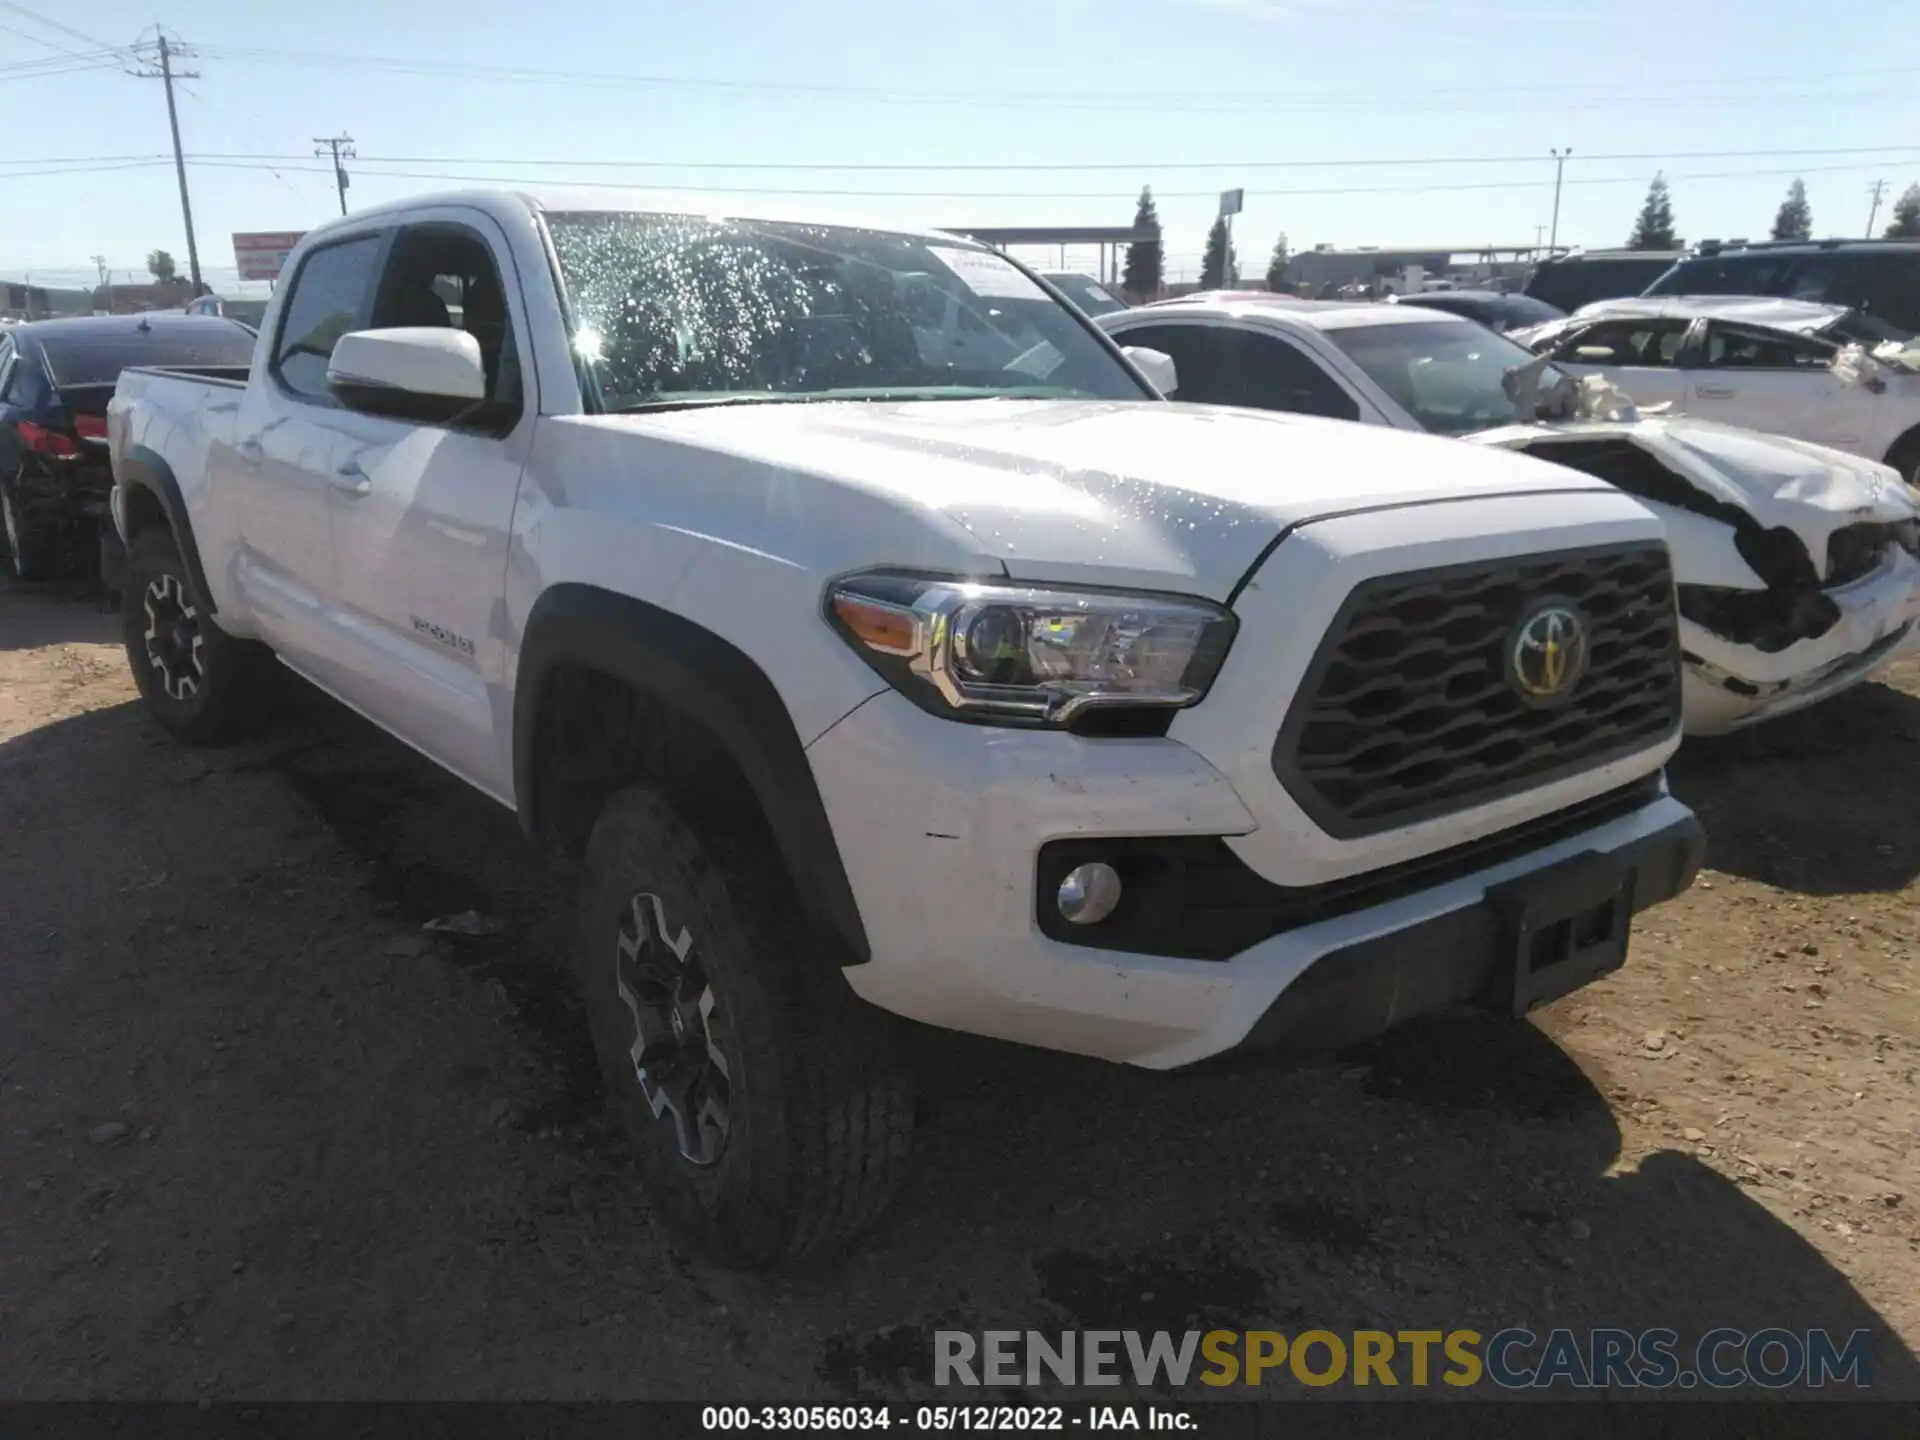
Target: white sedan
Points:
(1765, 364)
(1796, 564)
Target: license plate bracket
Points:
(1560, 928)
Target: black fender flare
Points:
(144, 469)
(689, 670)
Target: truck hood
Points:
(1100, 492)
(1810, 490)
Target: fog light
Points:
(1089, 893)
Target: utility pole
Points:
(1559, 166)
(168, 75)
(1879, 189)
(341, 147)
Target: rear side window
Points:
(1569, 284)
(1739, 347)
(90, 360)
(1759, 274)
(22, 379)
(329, 295)
(1886, 286)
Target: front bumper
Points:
(940, 826)
(1728, 685)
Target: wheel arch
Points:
(689, 681)
(153, 496)
(1905, 447)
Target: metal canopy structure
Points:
(1108, 237)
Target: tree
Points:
(1277, 265)
(160, 263)
(1219, 269)
(1906, 216)
(1653, 230)
(1146, 269)
(1795, 220)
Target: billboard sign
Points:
(1230, 201)
(262, 255)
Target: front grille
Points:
(1408, 711)
(1856, 551)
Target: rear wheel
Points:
(200, 683)
(30, 548)
(772, 1123)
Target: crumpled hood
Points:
(1810, 489)
(1122, 493)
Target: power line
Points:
(564, 182)
(1058, 99)
(39, 19)
(30, 37)
(943, 167)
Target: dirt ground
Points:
(260, 1138)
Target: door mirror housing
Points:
(427, 373)
(1156, 365)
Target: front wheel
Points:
(772, 1122)
(200, 683)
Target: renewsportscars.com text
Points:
(1515, 1358)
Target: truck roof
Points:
(560, 200)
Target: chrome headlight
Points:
(1015, 654)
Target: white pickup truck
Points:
(1007, 696)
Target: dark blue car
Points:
(56, 377)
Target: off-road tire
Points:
(207, 691)
(821, 1116)
(32, 553)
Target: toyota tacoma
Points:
(864, 671)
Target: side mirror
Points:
(1156, 365)
(426, 373)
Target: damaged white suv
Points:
(1795, 563)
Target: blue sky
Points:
(1286, 98)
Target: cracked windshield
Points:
(1038, 716)
(677, 311)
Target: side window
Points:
(6, 371)
(1737, 347)
(1888, 286)
(1275, 375)
(1646, 344)
(329, 296)
(1203, 358)
(444, 275)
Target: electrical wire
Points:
(1129, 166)
(1751, 93)
(39, 19)
(365, 169)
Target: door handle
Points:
(1715, 392)
(251, 451)
(350, 480)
